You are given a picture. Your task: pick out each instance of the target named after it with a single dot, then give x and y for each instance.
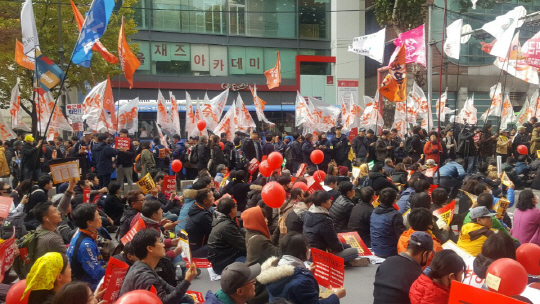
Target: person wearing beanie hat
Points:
(474, 234)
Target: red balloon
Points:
(139, 297)
(265, 169)
(273, 194)
(201, 125)
(221, 146)
(319, 176)
(15, 293)
(176, 165)
(522, 149)
(300, 185)
(528, 255)
(275, 160)
(317, 156)
(511, 274)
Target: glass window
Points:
(261, 18)
(189, 16)
(140, 14)
(314, 19)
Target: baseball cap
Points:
(479, 212)
(237, 275)
(422, 239)
(430, 162)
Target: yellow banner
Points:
(146, 183)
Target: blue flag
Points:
(93, 28)
(48, 74)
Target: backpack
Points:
(27, 249)
(137, 167)
(408, 145)
(193, 157)
(241, 160)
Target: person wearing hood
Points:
(360, 218)
(226, 243)
(189, 199)
(103, 155)
(288, 277)
(199, 223)
(30, 158)
(46, 278)
(433, 149)
(377, 179)
(434, 288)
(319, 228)
(342, 207)
(258, 245)
(386, 225)
(135, 200)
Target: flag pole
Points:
(440, 89)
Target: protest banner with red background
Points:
(431, 171)
(301, 170)
(431, 188)
(5, 205)
(313, 185)
(7, 254)
(353, 239)
(140, 225)
(201, 263)
(113, 279)
(86, 195)
(169, 184)
(252, 167)
(465, 294)
(330, 269)
(122, 143)
(196, 296)
(445, 214)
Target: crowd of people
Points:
(387, 188)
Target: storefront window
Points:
(314, 19)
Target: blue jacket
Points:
(386, 227)
(522, 168)
(89, 258)
(404, 201)
(189, 200)
(160, 162)
(219, 298)
(510, 196)
(451, 169)
(179, 150)
(103, 154)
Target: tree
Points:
(46, 15)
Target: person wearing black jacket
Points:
(307, 148)
(467, 148)
(30, 162)
(341, 147)
(268, 146)
(135, 200)
(360, 146)
(203, 152)
(114, 207)
(377, 179)
(297, 155)
(324, 145)
(124, 162)
(227, 150)
(360, 216)
(342, 206)
(416, 144)
(217, 157)
(521, 139)
(103, 154)
(252, 147)
(372, 140)
(199, 223)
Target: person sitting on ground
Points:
(73, 292)
(395, 276)
(38, 195)
(399, 174)
(342, 206)
(388, 167)
(239, 189)
(418, 200)
(296, 195)
(526, 226)
(220, 175)
(288, 277)
(199, 223)
(114, 207)
(295, 219)
(509, 169)
(331, 186)
(226, 243)
(482, 177)
(135, 200)
(434, 288)
(189, 195)
(441, 230)
(48, 274)
(522, 168)
(360, 218)
(319, 229)
(150, 249)
(127, 255)
(237, 284)
(83, 252)
(386, 225)
(474, 234)
(420, 220)
(419, 185)
(378, 181)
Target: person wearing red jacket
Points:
(433, 149)
(434, 288)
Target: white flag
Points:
(325, 115)
(468, 113)
(226, 125)
(525, 114)
(30, 39)
(400, 118)
(495, 94)
(175, 115)
(45, 105)
(514, 63)
(191, 120)
(243, 120)
(164, 119)
(351, 112)
(15, 110)
(259, 107)
(371, 117)
(302, 113)
(441, 104)
(212, 109)
(6, 132)
(507, 116)
(452, 44)
(502, 28)
(128, 116)
(370, 45)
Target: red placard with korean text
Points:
(5, 205)
(86, 195)
(196, 296)
(169, 184)
(330, 269)
(431, 171)
(122, 143)
(301, 170)
(7, 254)
(353, 239)
(313, 185)
(131, 233)
(252, 167)
(431, 188)
(465, 294)
(201, 263)
(113, 279)
(445, 214)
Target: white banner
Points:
(15, 110)
(370, 45)
(495, 94)
(259, 107)
(502, 28)
(128, 116)
(226, 125)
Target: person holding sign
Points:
(527, 218)
(288, 277)
(149, 248)
(125, 159)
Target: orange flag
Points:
(108, 104)
(128, 60)
(394, 86)
(98, 47)
(273, 76)
(20, 57)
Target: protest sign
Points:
(184, 243)
(146, 183)
(445, 214)
(465, 294)
(501, 207)
(196, 296)
(5, 205)
(162, 153)
(505, 180)
(7, 254)
(355, 171)
(313, 185)
(329, 269)
(113, 279)
(499, 164)
(201, 263)
(431, 188)
(301, 170)
(139, 225)
(63, 172)
(353, 239)
(252, 167)
(122, 143)
(75, 112)
(86, 195)
(169, 184)
(431, 171)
